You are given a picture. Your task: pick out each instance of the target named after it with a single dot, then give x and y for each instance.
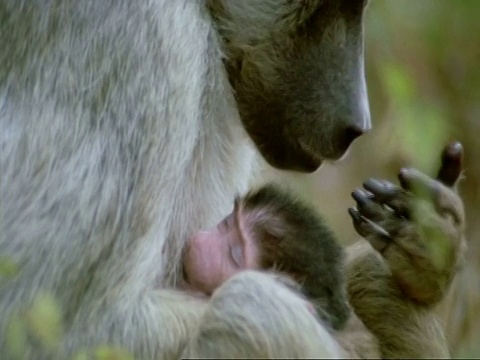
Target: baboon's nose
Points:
(349, 135)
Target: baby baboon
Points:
(271, 229)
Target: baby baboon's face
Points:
(215, 255)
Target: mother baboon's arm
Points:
(156, 325)
(253, 315)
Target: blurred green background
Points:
(423, 76)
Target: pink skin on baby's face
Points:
(215, 255)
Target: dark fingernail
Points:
(452, 155)
(373, 185)
(405, 171)
(454, 149)
(358, 222)
(388, 187)
(354, 214)
(360, 197)
(404, 176)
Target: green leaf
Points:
(16, 337)
(8, 268)
(112, 353)
(81, 355)
(45, 321)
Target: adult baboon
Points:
(121, 123)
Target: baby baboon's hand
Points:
(418, 227)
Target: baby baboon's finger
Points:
(382, 190)
(367, 206)
(418, 183)
(374, 234)
(451, 167)
(391, 195)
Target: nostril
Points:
(350, 134)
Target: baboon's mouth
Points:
(297, 160)
(311, 157)
(285, 154)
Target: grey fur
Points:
(106, 150)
